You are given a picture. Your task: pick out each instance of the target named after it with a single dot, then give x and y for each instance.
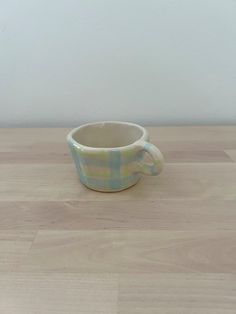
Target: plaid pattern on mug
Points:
(104, 170)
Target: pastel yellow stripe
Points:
(102, 155)
(127, 170)
(96, 172)
(105, 172)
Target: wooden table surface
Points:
(167, 245)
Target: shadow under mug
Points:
(109, 156)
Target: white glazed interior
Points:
(108, 134)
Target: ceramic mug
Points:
(109, 156)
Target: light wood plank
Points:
(196, 156)
(14, 247)
(49, 293)
(60, 182)
(231, 153)
(43, 156)
(37, 145)
(125, 215)
(133, 251)
(177, 294)
(32, 139)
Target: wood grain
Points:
(43, 182)
(122, 215)
(27, 139)
(58, 293)
(14, 247)
(133, 251)
(196, 156)
(177, 294)
(231, 153)
(35, 157)
(167, 245)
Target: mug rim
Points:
(71, 140)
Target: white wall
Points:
(63, 62)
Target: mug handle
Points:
(152, 169)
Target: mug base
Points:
(110, 190)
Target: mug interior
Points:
(107, 134)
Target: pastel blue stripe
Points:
(115, 182)
(146, 146)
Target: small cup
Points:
(109, 156)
